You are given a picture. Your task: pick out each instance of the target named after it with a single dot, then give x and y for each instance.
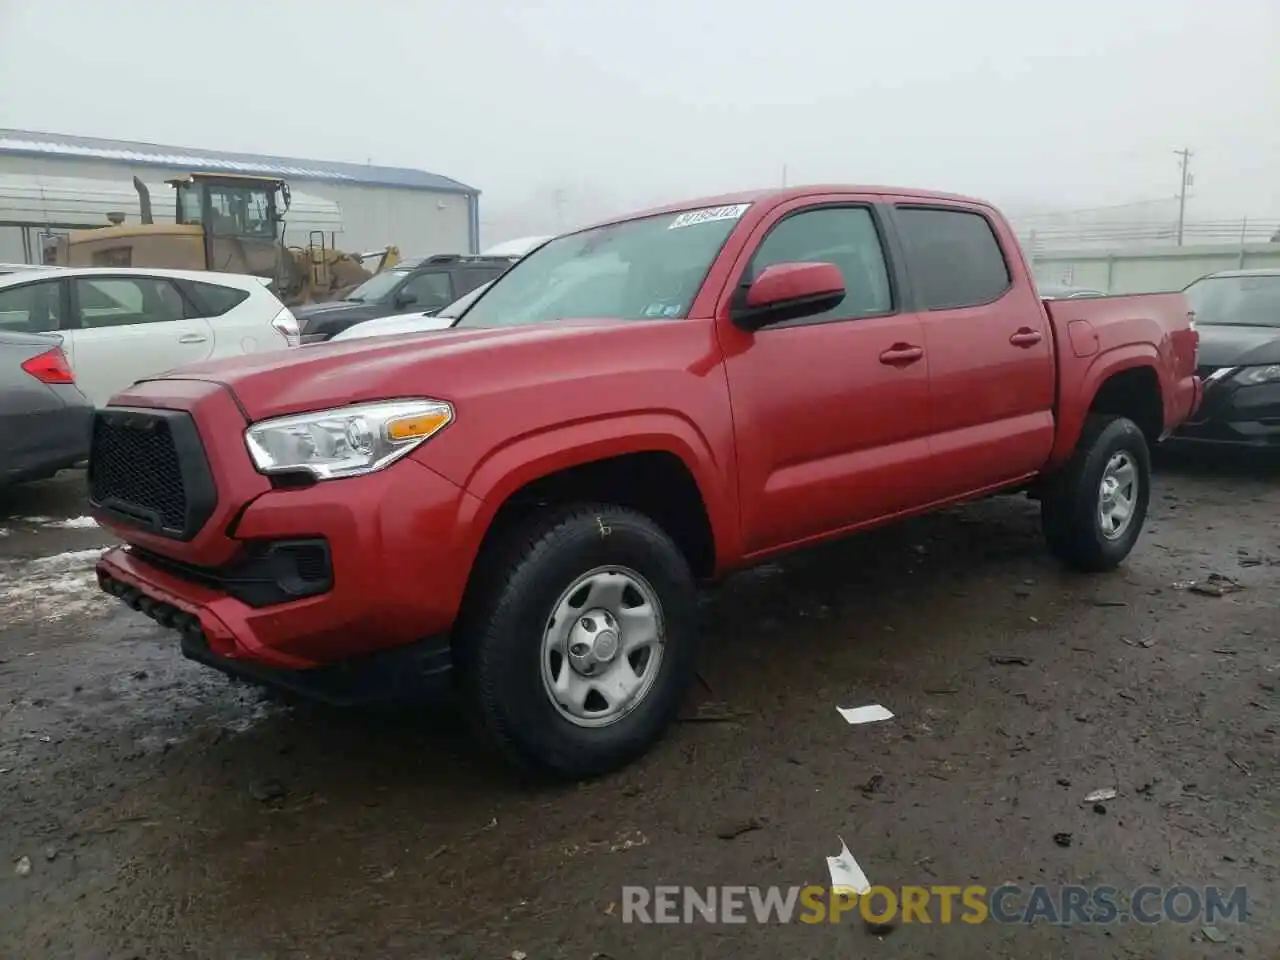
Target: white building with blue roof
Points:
(421, 213)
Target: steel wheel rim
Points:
(602, 646)
(1118, 495)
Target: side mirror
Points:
(788, 291)
(405, 299)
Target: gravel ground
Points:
(165, 812)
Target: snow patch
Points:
(75, 523)
(53, 588)
(72, 559)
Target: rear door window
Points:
(32, 307)
(213, 299)
(472, 277)
(123, 301)
(954, 257)
(430, 291)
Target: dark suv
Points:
(412, 286)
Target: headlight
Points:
(347, 441)
(1254, 375)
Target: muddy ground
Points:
(165, 812)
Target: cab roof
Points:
(773, 197)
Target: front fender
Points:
(531, 457)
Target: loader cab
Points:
(230, 206)
(240, 223)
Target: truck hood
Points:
(1229, 346)
(442, 364)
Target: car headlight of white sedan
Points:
(345, 441)
(1267, 373)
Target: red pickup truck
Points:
(525, 502)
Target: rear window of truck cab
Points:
(645, 269)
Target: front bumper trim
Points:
(398, 674)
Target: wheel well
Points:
(1133, 393)
(654, 483)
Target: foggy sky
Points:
(608, 106)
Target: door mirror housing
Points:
(404, 299)
(788, 291)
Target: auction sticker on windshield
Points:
(706, 215)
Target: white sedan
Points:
(403, 323)
(121, 325)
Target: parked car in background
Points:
(1238, 315)
(413, 322)
(532, 496)
(1059, 291)
(417, 286)
(519, 247)
(23, 267)
(45, 420)
(122, 325)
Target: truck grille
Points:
(148, 468)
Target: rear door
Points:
(831, 412)
(128, 327)
(240, 321)
(991, 365)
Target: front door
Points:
(991, 366)
(831, 412)
(126, 328)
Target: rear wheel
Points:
(1092, 511)
(581, 640)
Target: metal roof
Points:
(31, 144)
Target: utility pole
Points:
(784, 174)
(559, 199)
(1185, 182)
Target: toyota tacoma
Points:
(525, 503)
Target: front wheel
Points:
(1092, 511)
(581, 642)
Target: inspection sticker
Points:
(687, 219)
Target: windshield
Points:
(377, 287)
(636, 270)
(1236, 301)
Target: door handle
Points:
(902, 353)
(192, 338)
(1026, 337)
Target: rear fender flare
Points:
(533, 456)
(1074, 408)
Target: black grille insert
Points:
(265, 573)
(148, 468)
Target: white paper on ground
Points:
(845, 872)
(867, 714)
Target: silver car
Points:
(45, 421)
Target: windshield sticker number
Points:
(708, 214)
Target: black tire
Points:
(499, 646)
(1069, 509)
